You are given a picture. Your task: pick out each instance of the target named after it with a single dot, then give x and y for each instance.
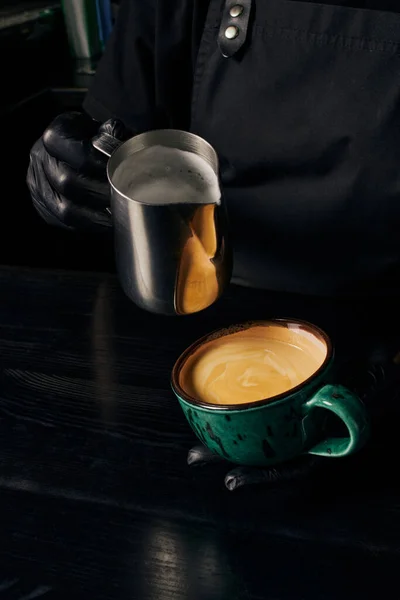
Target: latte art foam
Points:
(160, 175)
(251, 365)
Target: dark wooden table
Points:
(96, 499)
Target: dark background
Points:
(37, 83)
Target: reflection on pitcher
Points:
(205, 263)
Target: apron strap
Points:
(234, 25)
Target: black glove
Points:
(67, 176)
(299, 468)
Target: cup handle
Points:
(350, 409)
(106, 143)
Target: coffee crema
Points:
(252, 364)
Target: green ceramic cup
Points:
(280, 428)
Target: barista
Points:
(301, 102)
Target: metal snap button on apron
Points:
(231, 32)
(236, 10)
(234, 25)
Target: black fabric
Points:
(305, 119)
(145, 76)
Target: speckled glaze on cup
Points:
(280, 428)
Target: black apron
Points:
(305, 115)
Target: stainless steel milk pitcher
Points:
(175, 258)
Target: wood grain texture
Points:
(96, 499)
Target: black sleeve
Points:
(145, 76)
(124, 84)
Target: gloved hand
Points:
(67, 176)
(299, 468)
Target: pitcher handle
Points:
(106, 143)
